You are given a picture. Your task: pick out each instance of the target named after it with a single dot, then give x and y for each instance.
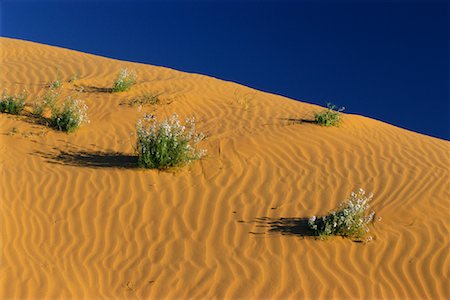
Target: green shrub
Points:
(167, 144)
(12, 104)
(351, 219)
(38, 109)
(329, 116)
(56, 84)
(70, 116)
(48, 100)
(125, 79)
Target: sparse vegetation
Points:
(329, 116)
(71, 115)
(244, 100)
(167, 144)
(56, 84)
(125, 79)
(74, 77)
(48, 100)
(145, 99)
(38, 109)
(67, 117)
(350, 220)
(12, 104)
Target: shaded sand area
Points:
(79, 220)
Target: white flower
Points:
(167, 139)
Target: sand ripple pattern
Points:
(78, 220)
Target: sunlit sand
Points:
(80, 220)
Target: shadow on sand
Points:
(92, 89)
(92, 159)
(284, 226)
(299, 121)
(287, 226)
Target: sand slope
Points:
(79, 221)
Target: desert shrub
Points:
(167, 144)
(71, 115)
(48, 100)
(329, 116)
(56, 84)
(38, 109)
(125, 79)
(351, 219)
(12, 104)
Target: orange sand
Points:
(78, 222)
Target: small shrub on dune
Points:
(125, 79)
(48, 100)
(329, 116)
(71, 115)
(167, 144)
(38, 109)
(56, 84)
(350, 220)
(12, 104)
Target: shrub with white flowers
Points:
(47, 100)
(167, 144)
(331, 116)
(351, 219)
(12, 104)
(125, 79)
(56, 84)
(70, 116)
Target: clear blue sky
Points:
(383, 59)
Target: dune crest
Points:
(78, 220)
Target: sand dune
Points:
(78, 220)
